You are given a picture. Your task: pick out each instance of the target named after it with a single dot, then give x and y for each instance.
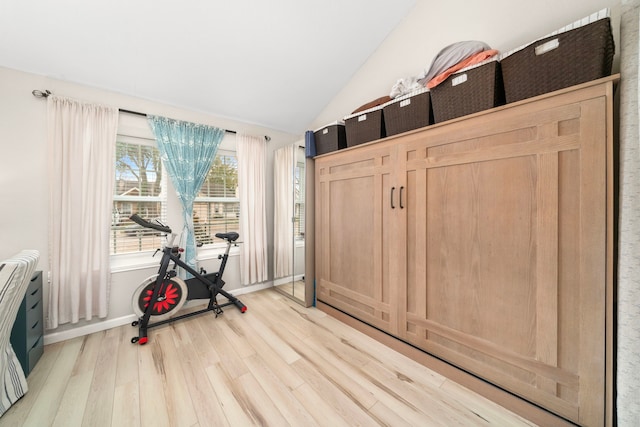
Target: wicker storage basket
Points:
(330, 138)
(558, 61)
(365, 126)
(408, 112)
(470, 90)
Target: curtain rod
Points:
(46, 93)
(137, 113)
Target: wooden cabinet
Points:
(487, 242)
(27, 333)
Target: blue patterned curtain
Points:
(187, 150)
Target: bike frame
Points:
(199, 287)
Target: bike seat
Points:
(232, 236)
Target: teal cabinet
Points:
(27, 337)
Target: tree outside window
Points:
(138, 189)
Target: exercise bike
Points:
(162, 295)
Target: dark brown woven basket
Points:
(365, 127)
(330, 138)
(468, 92)
(408, 113)
(582, 54)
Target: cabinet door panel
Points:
(354, 233)
(475, 268)
(499, 281)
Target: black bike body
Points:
(162, 295)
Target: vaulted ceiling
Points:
(274, 63)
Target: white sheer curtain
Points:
(283, 170)
(628, 338)
(251, 153)
(81, 144)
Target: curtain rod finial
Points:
(267, 138)
(40, 94)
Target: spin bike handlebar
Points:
(138, 220)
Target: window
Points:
(139, 188)
(298, 210)
(216, 209)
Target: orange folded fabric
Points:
(474, 59)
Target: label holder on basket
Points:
(547, 47)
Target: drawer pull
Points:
(35, 291)
(35, 305)
(392, 190)
(35, 324)
(35, 344)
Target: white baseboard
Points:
(80, 331)
(286, 280)
(252, 288)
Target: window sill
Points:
(134, 261)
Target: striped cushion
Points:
(15, 274)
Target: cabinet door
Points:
(355, 233)
(506, 249)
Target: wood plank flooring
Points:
(279, 364)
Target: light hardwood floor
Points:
(295, 289)
(278, 364)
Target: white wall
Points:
(432, 25)
(24, 185)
